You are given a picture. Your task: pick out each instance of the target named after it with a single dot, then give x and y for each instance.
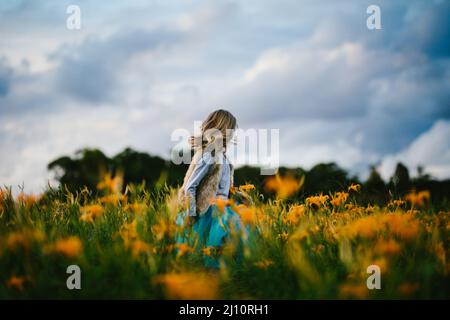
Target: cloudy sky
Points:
(137, 70)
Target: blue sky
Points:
(137, 70)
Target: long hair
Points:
(218, 127)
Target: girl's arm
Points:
(200, 171)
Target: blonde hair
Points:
(219, 124)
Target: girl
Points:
(206, 188)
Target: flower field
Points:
(317, 247)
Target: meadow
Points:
(123, 240)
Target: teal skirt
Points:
(213, 229)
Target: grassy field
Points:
(319, 247)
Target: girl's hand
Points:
(190, 220)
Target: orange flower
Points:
(246, 187)
(358, 291)
(264, 264)
(128, 232)
(247, 214)
(17, 282)
(183, 249)
(418, 198)
(354, 187)
(90, 212)
(70, 247)
(317, 201)
(189, 285)
(295, 214)
(24, 239)
(339, 199)
(221, 203)
(136, 207)
(114, 199)
(387, 247)
(110, 184)
(283, 236)
(139, 246)
(283, 186)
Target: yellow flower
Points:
(246, 187)
(189, 285)
(110, 184)
(24, 239)
(139, 246)
(284, 187)
(339, 199)
(283, 236)
(163, 229)
(183, 249)
(354, 187)
(247, 214)
(70, 247)
(221, 203)
(128, 232)
(418, 198)
(208, 251)
(317, 201)
(387, 247)
(264, 264)
(90, 212)
(295, 214)
(136, 207)
(114, 199)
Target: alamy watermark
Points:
(255, 146)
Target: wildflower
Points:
(396, 203)
(111, 184)
(183, 249)
(113, 199)
(128, 232)
(418, 198)
(339, 199)
(317, 201)
(24, 239)
(221, 203)
(387, 247)
(139, 246)
(189, 285)
(70, 247)
(246, 213)
(295, 214)
(27, 200)
(247, 187)
(136, 207)
(208, 251)
(90, 212)
(17, 282)
(283, 236)
(264, 264)
(162, 229)
(358, 291)
(354, 187)
(283, 186)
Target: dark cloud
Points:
(91, 71)
(6, 73)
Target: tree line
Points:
(87, 166)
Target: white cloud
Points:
(431, 149)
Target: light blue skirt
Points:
(213, 229)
